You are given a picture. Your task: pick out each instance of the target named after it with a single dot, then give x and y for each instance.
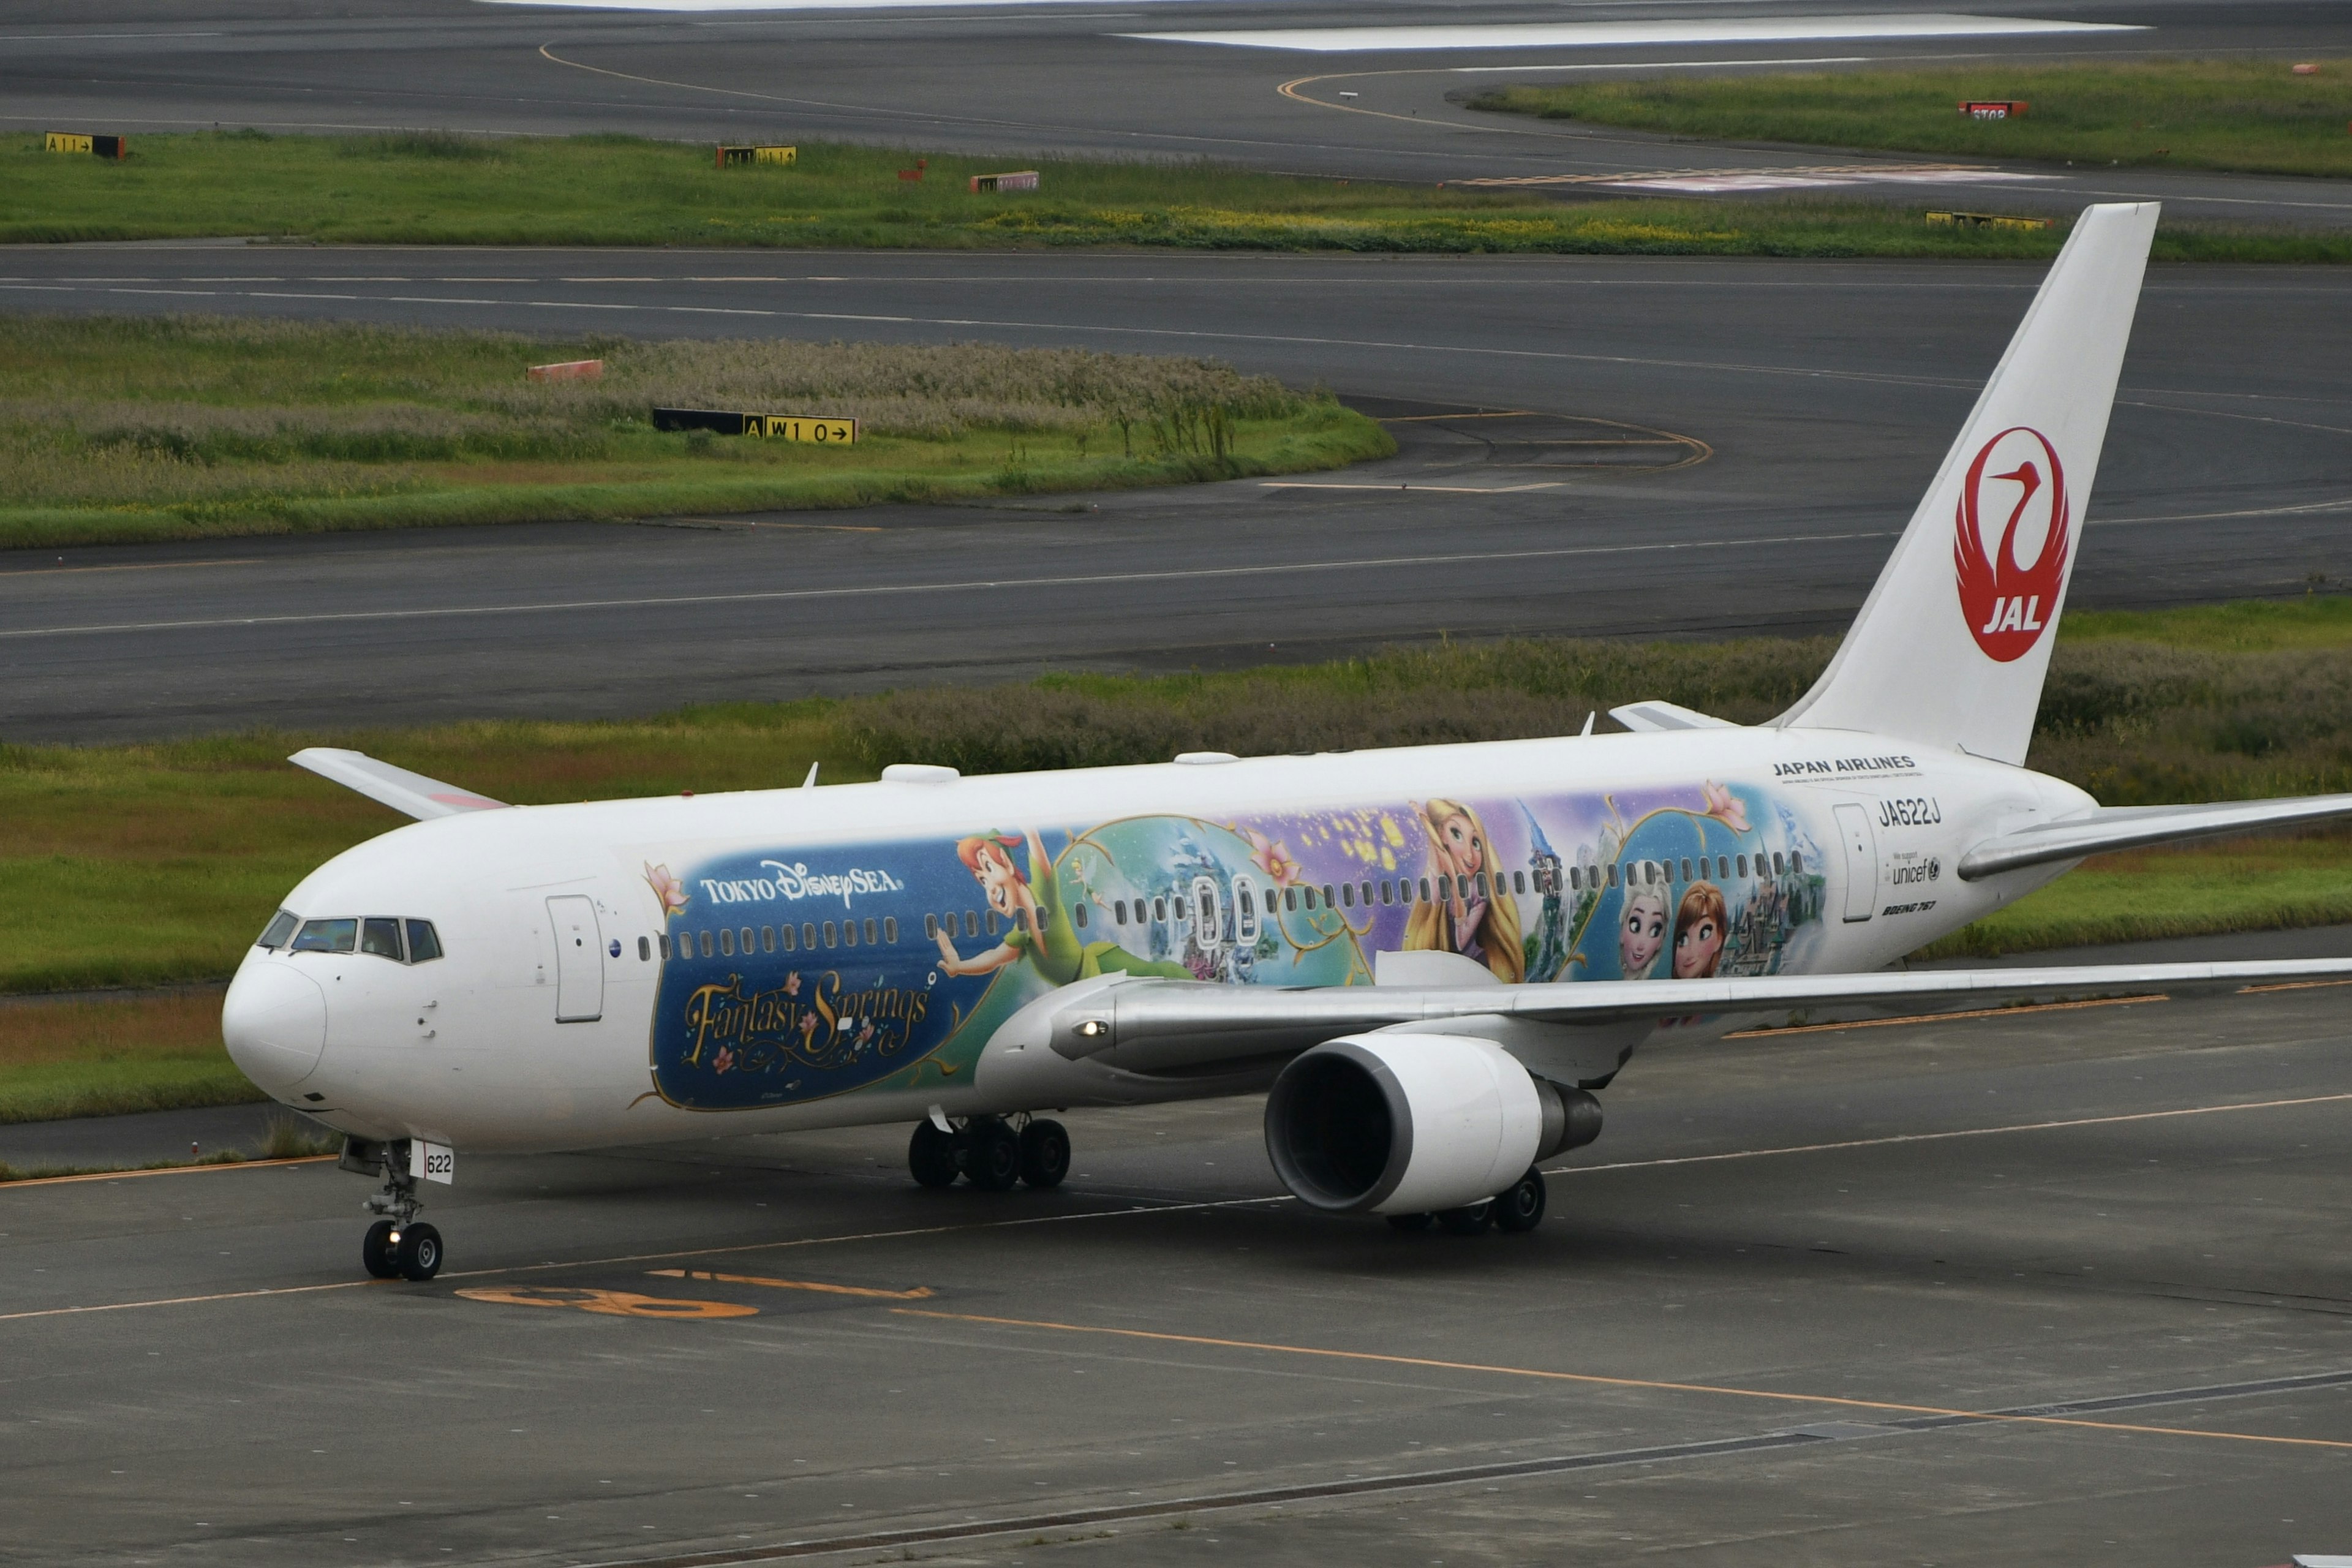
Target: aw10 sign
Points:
(2011, 541)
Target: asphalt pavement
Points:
(2058, 1286)
(1619, 447)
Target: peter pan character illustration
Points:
(1699, 931)
(1641, 932)
(1040, 929)
(1468, 921)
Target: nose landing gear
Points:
(400, 1246)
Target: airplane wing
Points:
(2133, 826)
(1174, 1026)
(412, 795)
(1658, 716)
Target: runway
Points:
(1689, 448)
(1103, 79)
(2062, 1285)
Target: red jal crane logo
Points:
(2009, 596)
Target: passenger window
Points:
(808, 935)
(930, 928)
(1388, 891)
(1308, 894)
(662, 941)
(1613, 873)
(1742, 863)
(992, 922)
(1797, 861)
(767, 939)
(971, 924)
(381, 937)
(890, 927)
(848, 934)
(791, 936)
(832, 934)
(1079, 917)
(1347, 896)
(726, 942)
(705, 942)
(1425, 890)
(869, 931)
(1118, 911)
(1290, 899)
(1780, 867)
(1329, 901)
(1519, 881)
(1686, 870)
(281, 928)
(327, 936)
(644, 950)
(1159, 908)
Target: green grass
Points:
(2250, 115)
(144, 865)
(614, 190)
(117, 429)
(78, 1056)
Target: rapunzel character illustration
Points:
(1641, 932)
(1699, 928)
(1468, 921)
(1041, 930)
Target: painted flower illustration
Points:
(724, 1061)
(1725, 806)
(667, 889)
(792, 984)
(1271, 858)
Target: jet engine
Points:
(1410, 1123)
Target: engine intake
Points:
(1404, 1123)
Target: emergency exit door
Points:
(579, 960)
(1861, 862)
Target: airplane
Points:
(1430, 960)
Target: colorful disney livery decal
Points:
(792, 975)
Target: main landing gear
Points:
(400, 1246)
(992, 1153)
(1517, 1210)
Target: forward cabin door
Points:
(1861, 862)
(579, 960)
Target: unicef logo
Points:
(1935, 867)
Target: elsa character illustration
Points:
(1468, 921)
(1040, 929)
(1641, 932)
(1699, 928)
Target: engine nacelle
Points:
(1408, 1123)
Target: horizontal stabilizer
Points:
(1656, 716)
(412, 794)
(2135, 826)
(1172, 1025)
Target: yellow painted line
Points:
(1962, 1133)
(920, 1293)
(192, 1300)
(1597, 1380)
(1972, 1013)
(143, 566)
(160, 1170)
(2291, 985)
(609, 1303)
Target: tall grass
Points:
(133, 427)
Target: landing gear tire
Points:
(1044, 1153)
(418, 1255)
(375, 1251)
(992, 1156)
(1472, 1219)
(931, 1156)
(1411, 1221)
(1521, 1209)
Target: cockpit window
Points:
(423, 941)
(281, 928)
(381, 937)
(327, 936)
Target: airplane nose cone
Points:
(274, 1022)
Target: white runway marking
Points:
(736, 5)
(1629, 35)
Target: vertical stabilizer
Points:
(1953, 642)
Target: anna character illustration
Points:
(1641, 932)
(1699, 931)
(1468, 921)
(1040, 929)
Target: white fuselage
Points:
(1592, 859)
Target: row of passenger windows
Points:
(729, 940)
(402, 941)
